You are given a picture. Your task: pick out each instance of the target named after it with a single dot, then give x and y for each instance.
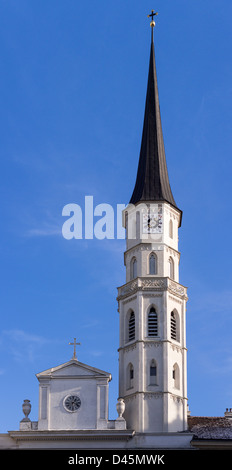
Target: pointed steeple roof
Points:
(152, 183)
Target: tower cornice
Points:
(151, 283)
(150, 246)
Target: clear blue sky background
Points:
(73, 83)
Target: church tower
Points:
(152, 302)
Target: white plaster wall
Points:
(153, 413)
(85, 417)
(175, 418)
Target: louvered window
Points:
(131, 327)
(173, 326)
(152, 322)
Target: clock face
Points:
(152, 220)
(72, 403)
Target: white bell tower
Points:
(152, 302)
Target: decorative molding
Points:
(177, 399)
(146, 396)
(128, 288)
(157, 247)
(173, 252)
(129, 300)
(127, 398)
(177, 288)
(172, 212)
(151, 395)
(175, 299)
(74, 435)
(139, 247)
(152, 295)
(174, 347)
(151, 284)
(150, 344)
(133, 346)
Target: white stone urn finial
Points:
(120, 407)
(26, 406)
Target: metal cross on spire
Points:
(152, 14)
(74, 349)
(152, 23)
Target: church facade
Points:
(152, 405)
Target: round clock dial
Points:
(72, 403)
(152, 222)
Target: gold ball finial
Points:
(152, 24)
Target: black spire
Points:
(152, 183)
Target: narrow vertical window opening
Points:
(153, 373)
(176, 376)
(173, 326)
(170, 229)
(152, 264)
(131, 327)
(133, 268)
(171, 268)
(130, 376)
(152, 323)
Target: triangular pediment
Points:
(73, 368)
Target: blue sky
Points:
(73, 84)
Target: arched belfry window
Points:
(133, 268)
(171, 268)
(152, 323)
(152, 264)
(131, 326)
(153, 372)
